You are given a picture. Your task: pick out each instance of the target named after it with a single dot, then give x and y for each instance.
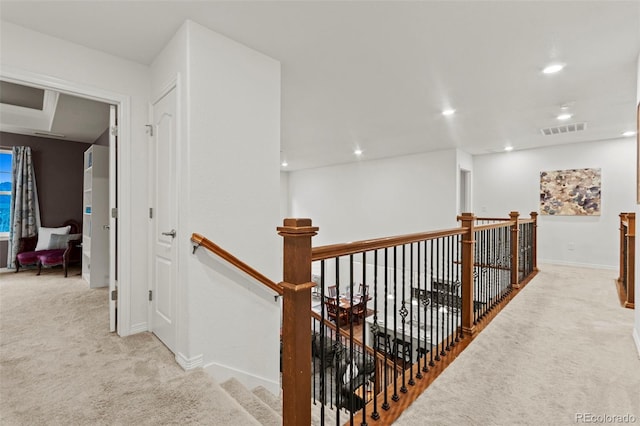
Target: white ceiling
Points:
(52, 115)
(376, 75)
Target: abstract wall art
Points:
(574, 192)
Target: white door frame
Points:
(123, 102)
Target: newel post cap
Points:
(297, 226)
(466, 217)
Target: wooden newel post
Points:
(468, 243)
(631, 260)
(296, 323)
(534, 216)
(622, 238)
(515, 266)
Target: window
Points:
(5, 191)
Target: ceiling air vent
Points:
(566, 128)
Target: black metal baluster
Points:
(508, 259)
(323, 337)
(433, 296)
(374, 334)
(403, 315)
(364, 295)
(352, 361)
(442, 298)
(490, 269)
(503, 262)
(411, 324)
(426, 301)
(339, 350)
(484, 274)
(497, 266)
(485, 271)
(498, 253)
(315, 335)
(436, 295)
(458, 285)
(452, 265)
(395, 396)
(525, 254)
(385, 404)
(418, 298)
(476, 276)
(445, 297)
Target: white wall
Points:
(40, 56)
(511, 181)
(377, 198)
(230, 193)
(284, 195)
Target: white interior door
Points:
(164, 220)
(113, 252)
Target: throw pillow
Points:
(59, 241)
(44, 236)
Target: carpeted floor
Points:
(560, 352)
(59, 365)
(562, 348)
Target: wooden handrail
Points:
(526, 221)
(199, 240)
(335, 250)
(493, 225)
(493, 218)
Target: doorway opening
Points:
(71, 115)
(464, 202)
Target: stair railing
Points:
(200, 241)
(626, 280)
(429, 294)
(421, 299)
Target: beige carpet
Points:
(59, 365)
(561, 349)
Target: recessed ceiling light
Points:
(358, 151)
(449, 111)
(508, 148)
(629, 133)
(564, 116)
(553, 68)
(285, 164)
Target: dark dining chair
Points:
(359, 310)
(335, 312)
(332, 292)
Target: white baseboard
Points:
(189, 363)
(139, 328)
(221, 373)
(636, 338)
(576, 264)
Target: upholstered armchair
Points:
(66, 248)
(72, 253)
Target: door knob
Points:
(171, 233)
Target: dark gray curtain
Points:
(25, 211)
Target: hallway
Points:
(560, 352)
